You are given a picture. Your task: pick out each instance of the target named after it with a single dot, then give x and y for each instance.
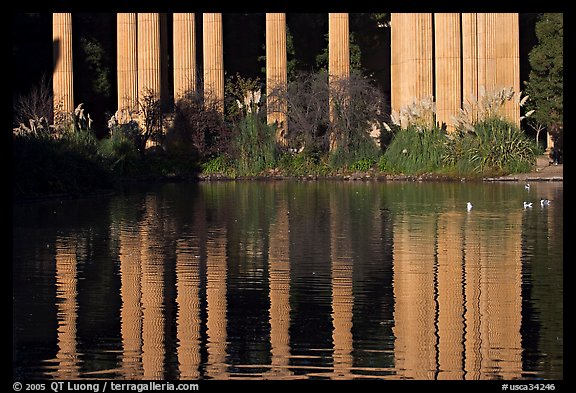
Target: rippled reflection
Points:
(66, 297)
(292, 280)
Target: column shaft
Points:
(508, 61)
(448, 66)
(213, 58)
(412, 66)
(397, 26)
(276, 74)
(338, 63)
(149, 68)
(184, 54)
(62, 79)
(421, 57)
(469, 57)
(127, 63)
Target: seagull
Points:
(527, 204)
(527, 186)
(468, 206)
(544, 202)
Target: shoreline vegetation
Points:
(354, 139)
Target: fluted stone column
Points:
(447, 67)
(421, 57)
(338, 61)
(469, 58)
(149, 67)
(397, 60)
(127, 63)
(481, 48)
(276, 74)
(62, 78)
(508, 60)
(499, 57)
(213, 58)
(412, 62)
(184, 54)
(490, 39)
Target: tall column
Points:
(338, 62)
(448, 66)
(469, 57)
(397, 26)
(127, 63)
(213, 58)
(276, 74)
(412, 63)
(421, 56)
(62, 78)
(490, 39)
(149, 68)
(508, 60)
(184, 54)
(481, 47)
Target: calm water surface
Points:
(287, 280)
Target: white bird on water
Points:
(527, 204)
(527, 186)
(544, 202)
(468, 206)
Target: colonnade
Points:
(451, 57)
(455, 58)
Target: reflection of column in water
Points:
(66, 293)
(450, 297)
(415, 306)
(187, 298)
(493, 301)
(152, 293)
(473, 261)
(279, 271)
(342, 296)
(503, 301)
(216, 271)
(131, 311)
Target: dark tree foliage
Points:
(546, 83)
(198, 122)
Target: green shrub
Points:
(218, 165)
(494, 146)
(363, 164)
(303, 164)
(120, 153)
(415, 150)
(255, 145)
